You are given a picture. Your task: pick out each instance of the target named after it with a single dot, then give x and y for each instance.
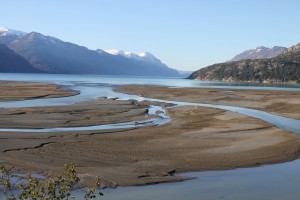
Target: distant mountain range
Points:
(51, 55)
(185, 73)
(143, 56)
(259, 53)
(145, 59)
(284, 67)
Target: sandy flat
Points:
(285, 103)
(97, 112)
(11, 91)
(196, 139)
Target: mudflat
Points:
(12, 90)
(196, 139)
(284, 103)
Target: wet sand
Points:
(284, 103)
(196, 139)
(96, 112)
(12, 91)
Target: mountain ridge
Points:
(51, 55)
(260, 52)
(142, 58)
(283, 68)
(8, 35)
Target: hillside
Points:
(12, 62)
(282, 68)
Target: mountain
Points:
(145, 59)
(259, 53)
(283, 68)
(51, 55)
(12, 62)
(143, 56)
(8, 35)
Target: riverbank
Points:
(196, 139)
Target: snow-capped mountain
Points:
(51, 55)
(6, 31)
(8, 35)
(143, 56)
(259, 53)
(145, 59)
(120, 52)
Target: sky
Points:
(184, 34)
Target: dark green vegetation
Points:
(50, 188)
(283, 68)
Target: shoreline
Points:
(197, 139)
(261, 82)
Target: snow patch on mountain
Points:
(4, 31)
(125, 53)
(142, 56)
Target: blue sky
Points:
(185, 34)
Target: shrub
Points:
(58, 187)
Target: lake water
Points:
(117, 80)
(278, 181)
(270, 182)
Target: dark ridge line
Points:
(27, 148)
(246, 130)
(16, 113)
(38, 146)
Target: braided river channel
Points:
(275, 181)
